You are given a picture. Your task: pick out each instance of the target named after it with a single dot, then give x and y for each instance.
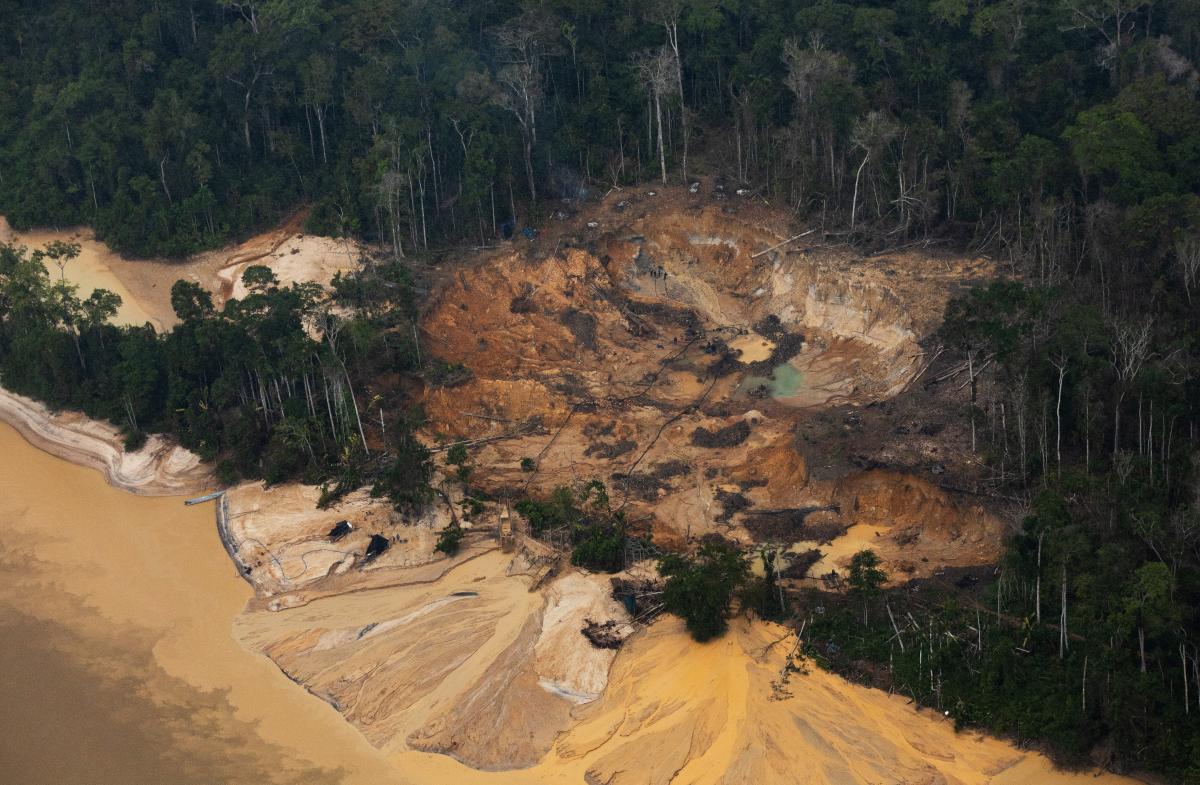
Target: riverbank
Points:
(120, 665)
(159, 468)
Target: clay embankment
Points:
(463, 659)
(479, 655)
(159, 468)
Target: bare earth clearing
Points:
(664, 345)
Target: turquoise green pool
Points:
(783, 382)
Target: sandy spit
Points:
(159, 468)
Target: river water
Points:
(118, 661)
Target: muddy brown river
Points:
(118, 662)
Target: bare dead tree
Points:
(667, 13)
(654, 69)
(810, 67)
(871, 135)
(1187, 257)
(1061, 365)
(1130, 350)
(1112, 19)
(521, 93)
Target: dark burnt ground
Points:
(792, 525)
(925, 430)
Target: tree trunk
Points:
(854, 201)
(1037, 593)
(1117, 424)
(662, 155)
(320, 112)
(529, 170)
(1062, 623)
(162, 176)
(1062, 369)
(673, 40)
(246, 118)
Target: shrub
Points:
(227, 473)
(762, 595)
(449, 539)
(699, 588)
(601, 549)
(135, 441)
(406, 480)
(558, 510)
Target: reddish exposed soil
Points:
(661, 332)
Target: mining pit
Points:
(679, 348)
(720, 371)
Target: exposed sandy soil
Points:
(456, 666)
(458, 656)
(159, 468)
(145, 284)
(470, 662)
(293, 256)
(605, 345)
(138, 282)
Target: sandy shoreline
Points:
(160, 468)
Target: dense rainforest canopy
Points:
(1061, 136)
(170, 126)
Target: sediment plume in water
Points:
(119, 663)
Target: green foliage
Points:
(405, 481)
(602, 547)
(245, 387)
(700, 588)
(471, 505)
(183, 125)
(457, 455)
(992, 319)
(528, 464)
(449, 539)
(865, 578)
(259, 278)
(555, 512)
(596, 533)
